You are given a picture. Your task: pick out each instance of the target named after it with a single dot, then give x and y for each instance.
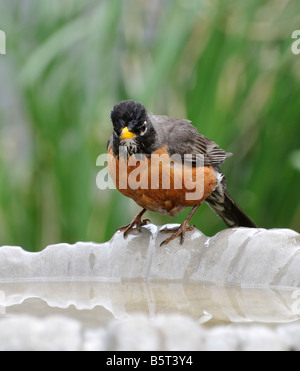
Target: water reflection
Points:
(98, 302)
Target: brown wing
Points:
(183, 138)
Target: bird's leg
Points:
(180, 231)
(137, 222)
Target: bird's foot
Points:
(177, 232)
(137, 222)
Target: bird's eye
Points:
(143, 128)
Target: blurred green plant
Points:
(225, 65)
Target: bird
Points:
(140, 145)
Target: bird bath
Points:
(240, 284)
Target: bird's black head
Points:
(132, 127)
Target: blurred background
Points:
(226, 65)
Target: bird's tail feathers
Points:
(227, 209)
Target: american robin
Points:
(146, 138)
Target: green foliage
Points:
(225, 65)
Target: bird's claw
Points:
(137, 222)
(177, 232)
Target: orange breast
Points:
(161, 185)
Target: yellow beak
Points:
(126, 134)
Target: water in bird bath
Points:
(97, 303)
